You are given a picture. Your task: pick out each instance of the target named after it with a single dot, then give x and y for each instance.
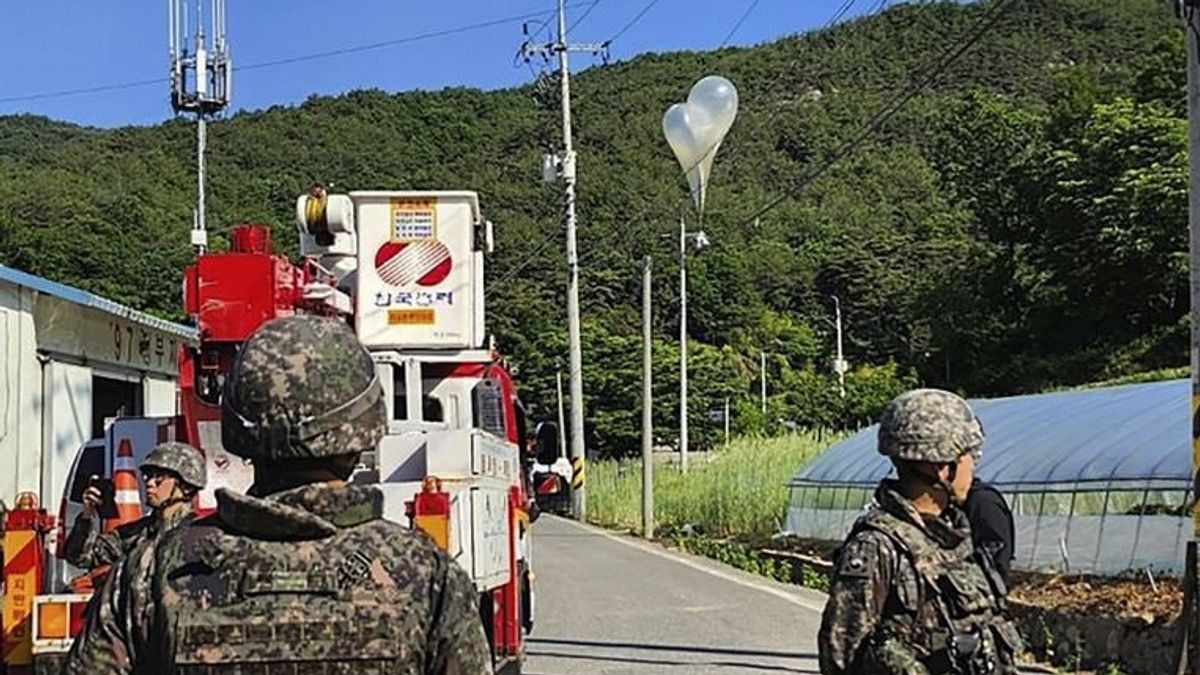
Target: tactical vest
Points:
(333, 605)
(945, 603)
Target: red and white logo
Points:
(425, 262)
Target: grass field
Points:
(740, 491)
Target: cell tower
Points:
(201, 80)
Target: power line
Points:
(736, 26)
(510, 274)
(292, 59)
(544, 25)
(84, 90)
(634, 20)
(576, 22)
(392, 43)
(841, 11)
(837, 16)
(783, 73)
(551, 237)
(933, 70)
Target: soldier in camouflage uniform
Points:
(910, 595)
(173, 473)
(302, 575)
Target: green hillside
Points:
(1019, 225)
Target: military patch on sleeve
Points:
(354, 567)
(854, 561)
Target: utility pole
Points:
(201, 81)
(647, 409)
(762, 379)
(1190, 645)
(726, 420)
(562, 429)
(701, 240)
(567, 171)
(683, 371)
(839, 365)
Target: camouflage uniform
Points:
(309, 579)
(910, 595)
(87, 548)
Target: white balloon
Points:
(695, 129)
(717, 97)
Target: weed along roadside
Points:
(730, 508)
(738, 491)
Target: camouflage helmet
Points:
(180, 459)
(929, 425)
(302, 387)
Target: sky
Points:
(56, 46)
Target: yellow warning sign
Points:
(20, 572)
(410, 317)
(414, 219)
(577, 478)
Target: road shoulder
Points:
(806, 598)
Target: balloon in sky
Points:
(695, 129)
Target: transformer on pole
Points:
(201, 81)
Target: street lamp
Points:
(694, 129)
(700, 241)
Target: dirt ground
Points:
(1123, 597)
(1102, 596)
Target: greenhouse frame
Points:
(1099, 480)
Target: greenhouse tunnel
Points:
(1099, 480)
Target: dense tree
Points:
(1020, 223)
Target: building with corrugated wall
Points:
(72, 360)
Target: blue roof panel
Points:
(86, 299)
(1129, 437)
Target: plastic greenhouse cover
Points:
(1128, 437)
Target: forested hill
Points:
(1019, 224)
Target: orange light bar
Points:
(52, 621)
(431, 512)
(438, 529)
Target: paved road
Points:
(612, 605)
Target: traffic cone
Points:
(125, 482)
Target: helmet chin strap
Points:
(178, 496)
(946, 486)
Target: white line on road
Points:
(720, 574)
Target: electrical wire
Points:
(633, 21)
(391, 43)
(508, 276)
(740, 21)
(932, 72)
(512, 273)
(301, 58)
(576, 22)
(837, 16)
(63, 93)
